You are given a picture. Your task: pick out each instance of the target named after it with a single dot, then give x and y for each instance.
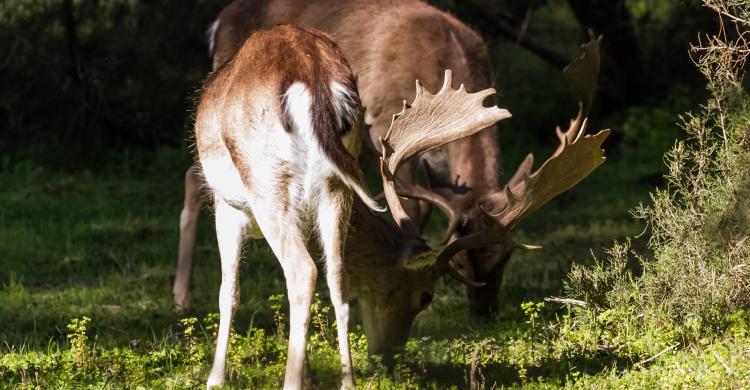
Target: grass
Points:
(85, 295)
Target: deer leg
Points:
(188, 231)
(333, 213)
(285, 239)
(300, 276)
(230, 227)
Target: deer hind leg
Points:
(230, 228)
(333, 215)
(286, 241)
(188, 231)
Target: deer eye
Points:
(425, 299)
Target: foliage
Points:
(102, 245)
(88, 255)
(553, 353)
(98, 75)
(695, 285)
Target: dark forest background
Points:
(83, 78)
(96, 106)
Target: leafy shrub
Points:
(699, 272)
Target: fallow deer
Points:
(380, 257)
(389, 43)
(275, 139)
(271, 129)
(274, 133)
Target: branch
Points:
(565, 301)
(494, 22)
(652, 358)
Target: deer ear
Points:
(434, 170)
(417, 255)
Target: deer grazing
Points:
(390, 269)
(274, 133)
(388, 44)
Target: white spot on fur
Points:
(211, 35)
(344, 103)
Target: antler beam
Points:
(429, 122)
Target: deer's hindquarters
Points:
(275, 137)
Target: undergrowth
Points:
(694, 289)
(674, 315)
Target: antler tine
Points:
(455, 216)
(575, 130)
(582, 74)
(429, 122)
(447, 81)
(575, 159)
(523, 171)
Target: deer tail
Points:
(330, 113)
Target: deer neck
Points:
(376, 251)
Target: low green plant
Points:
(77, 339)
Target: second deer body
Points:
(275, 138)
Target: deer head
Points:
(464, 206)
(394, 295)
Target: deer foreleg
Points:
(334, 209)
(188, 231)
(230, 227)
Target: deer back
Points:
(285, 102)
(389, 44)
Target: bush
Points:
(699, 272)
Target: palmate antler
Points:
(434, 120)
(576, 157)
(429, 122)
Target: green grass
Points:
(102, 244)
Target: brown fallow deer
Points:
(275, 139)
(272, 139)
(385, 264)
(390, 290)
(388, 44)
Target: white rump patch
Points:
(298, 102)
(317, 166)
(310, 158)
